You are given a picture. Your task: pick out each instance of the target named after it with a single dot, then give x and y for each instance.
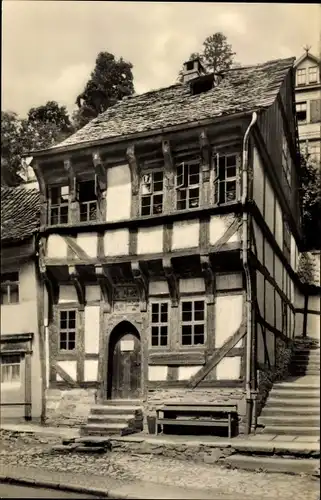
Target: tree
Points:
(310, 199)
(217, 54)
(109, 82)
(51, 113)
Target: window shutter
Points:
(315, 110)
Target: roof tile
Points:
(20, 212)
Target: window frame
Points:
(67, 331)
(11, 364)
(151, 171)
(302, 103)
(193, 322)
(188, 187)
(58, 206)
(9, 284)
(217, 181)
(159, 324)
(87, 204)
(300, 73)
(315, 68)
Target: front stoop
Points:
(293, 405)
(119, 417)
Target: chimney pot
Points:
(192, 69)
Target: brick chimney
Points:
(192, 69)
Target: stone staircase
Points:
(114, 417)
(293, 405)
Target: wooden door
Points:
(126, 366)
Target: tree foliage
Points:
(51, 113)
(310, 199)
(109, 82)
(217, 54)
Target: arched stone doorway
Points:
(124, 362)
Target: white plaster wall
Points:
(88, 242)
(259, 240)
(313, 326)
(270, 344)
(269, 204)
(278, 270)
(56, 247)
(91, 370)
(293, 253)
(218, 226)
(269, 303)
(67, 293)
(278, 312)
(298, 324)
(185, 234)
(314, 303)
(69, 367)
(158, 288)
(260, 291)
(186, 372)
(258, 180)
(192, 285)
(229, 368)
(118, 196)
(260, 345)
(92, 316)
(92, 292)
(269, 256)
(298, 299)
(150, 240)
(116, 242)
(157, 373)
(226, 324)
(278, 225)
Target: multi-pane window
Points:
(87, 200)
(159, 324)
(59, 203)
(286, 240)
(188, 185)
(67, 330)
(152, 187)
(313, 74)
(10, 288)
(301, 112)
(226, 178)
(286, 163)
(10, 368)
(301, 77)
(193, 322)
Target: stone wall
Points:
(267, 376)
(68, 407)
(156, 398)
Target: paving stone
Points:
(284, 438)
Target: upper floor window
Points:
(151, 193)
(10, 288)
(188, 185)
(87, 198)
(301, 76)
(286, 163)
(10, 368)
(59, 204)
(226, 178)
(67, 330)
(193, 322)
(313, 74)
(301, 112)
(159, 324)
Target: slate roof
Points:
(309, 268)
(243, 89)
(20, 212)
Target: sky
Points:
(49, 47)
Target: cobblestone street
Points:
(34, 451)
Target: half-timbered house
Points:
(170, 230)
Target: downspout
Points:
(245, 158)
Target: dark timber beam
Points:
(172, 281)
(134, 168)
(106, 286)
(169, 164)
(209, 278)
(100, 171)
(142, 284)
(206, 155)
(79, 286)
(43, 193)
(51, 284)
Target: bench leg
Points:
(229, 426)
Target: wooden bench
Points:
(201, 415)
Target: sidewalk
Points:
(104, 487)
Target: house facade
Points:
(21, 307)
(308, 104)
(169, 244)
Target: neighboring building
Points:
(308, 104)
(170, 235)
(20, 374)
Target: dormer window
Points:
(151, 193)
(188, 185)
(313, 74)
(87, 198)
(226, 171)
(58, 205)
(301, 75)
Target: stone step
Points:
(122, 402)
(297, 385)
(292, 402)
(102, 429)
(117, 409)
(291, 430)
(270, 410)
(273, 464)
(290, 420)
(113, 418)
(293, 393)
